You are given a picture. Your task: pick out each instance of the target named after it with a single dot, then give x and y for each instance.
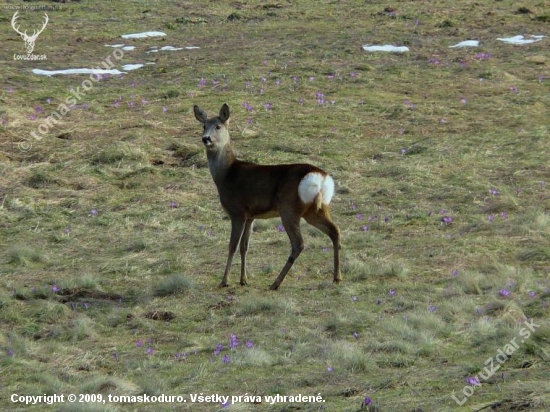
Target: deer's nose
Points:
(206, 140)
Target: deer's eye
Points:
(218, 127)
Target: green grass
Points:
(113, 242)
(174, 285)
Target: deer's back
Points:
(256, 190)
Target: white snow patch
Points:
(122, 46)
(386, 48)
(165, 48)
(520, 39)
(143, 35)
(171, 48)
(75, 71)
(132, 66)
(466, 43)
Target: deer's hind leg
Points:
(320, 219)
(291, 223)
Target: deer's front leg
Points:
(244, 248)
(237, 228)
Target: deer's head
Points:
(29, 40)
(215, 134)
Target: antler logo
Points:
(29, 40)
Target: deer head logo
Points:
(29, 40)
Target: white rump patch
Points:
(312, 184)
(328, 190)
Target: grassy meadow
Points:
(113, 242)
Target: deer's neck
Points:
(219, 162)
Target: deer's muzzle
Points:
(206, 140)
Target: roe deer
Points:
(250, 191)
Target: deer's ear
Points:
(200, 114)
(224, 113)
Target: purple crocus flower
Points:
(472, 380)
(504, 292)
(234, 341)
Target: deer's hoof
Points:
(274, 287)
(223, 285)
